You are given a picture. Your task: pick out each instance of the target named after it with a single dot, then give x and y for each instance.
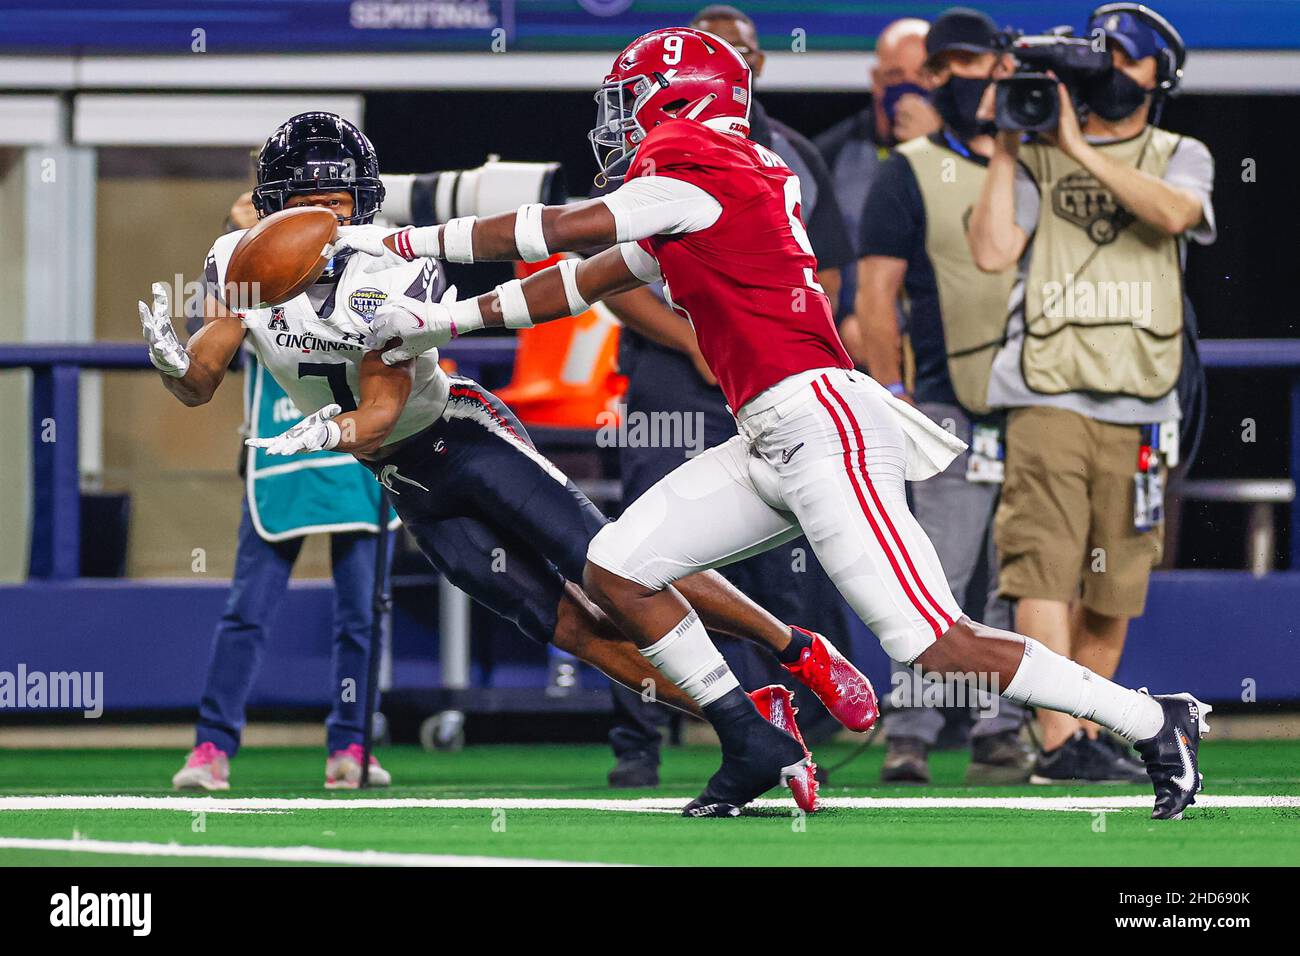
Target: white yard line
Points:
(274, 854)
(642, 804)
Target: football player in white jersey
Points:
(467, 481)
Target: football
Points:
(280, 257)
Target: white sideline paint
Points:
(642, 804)
(275, 854)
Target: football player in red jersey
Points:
(822, 449)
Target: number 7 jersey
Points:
(316, 370)
(748, 283)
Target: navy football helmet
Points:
(318, 152)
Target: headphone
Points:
(1170, 60)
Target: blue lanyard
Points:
(956, 145)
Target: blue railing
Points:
(56, 370)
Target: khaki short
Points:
(1065, 520)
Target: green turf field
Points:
(550, 803)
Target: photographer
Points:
(914, 249)
(1098, 217)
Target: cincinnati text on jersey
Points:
(311, 343)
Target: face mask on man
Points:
(1115, 95)
(958, 102)
(892, 94)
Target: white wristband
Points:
(333, 434)
(465, 317)
(529, 239)
(457, 244)
(569, 274)
(514, 307)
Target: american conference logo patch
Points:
(365, 302)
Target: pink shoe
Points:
(343, 770)
(208, 768)
(841, 687)
(776, 703)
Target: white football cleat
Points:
(343, 770)
(207, 768)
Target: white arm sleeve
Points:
(660, 206)
(640, 263)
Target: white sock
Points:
(687, 657)
(1046, 679)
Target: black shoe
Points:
(1078, 760)
(637, 769)
(756, 756)
(999, 759)
(906, 761)
(1119, 758)
(1171, 757)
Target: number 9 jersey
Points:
(315, 369)
(748, 283)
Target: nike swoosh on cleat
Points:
(1185, 781)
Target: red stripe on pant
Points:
(460, 391)
(871, 487)
(862, 503)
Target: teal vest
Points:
(324, 491)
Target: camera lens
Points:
(1033, 105)
(1027, 101)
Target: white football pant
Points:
(822, 454)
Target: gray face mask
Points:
(1115, 95)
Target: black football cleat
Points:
(639, 769)
(1171, 757)
(756, 756)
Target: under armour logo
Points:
(389, 472)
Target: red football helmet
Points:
(677, 73)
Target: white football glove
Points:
(314, 433)
(165, 350)
(367, 239)
(410, 243)
(420, 325)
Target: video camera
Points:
(1027, 100)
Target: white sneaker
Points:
(207, 768)
(343, 770)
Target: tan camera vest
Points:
(1103, 293)
(972, 304)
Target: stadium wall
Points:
(1226, 635)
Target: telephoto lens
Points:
(428, 199)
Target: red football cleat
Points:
(839, 685)
(776, 704)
